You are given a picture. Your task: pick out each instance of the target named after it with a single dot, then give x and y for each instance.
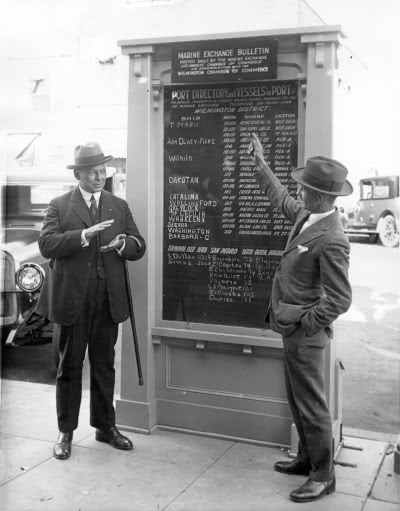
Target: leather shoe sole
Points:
(292, 468)
(117, 441)
(64, 455)
(63, 446)
(313, 490)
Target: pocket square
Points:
(301, 249)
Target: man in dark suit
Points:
(310, 290)
(87, 234)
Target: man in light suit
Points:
(310, 290)
(87, 234)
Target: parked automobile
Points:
(377, 214)
(25, 196)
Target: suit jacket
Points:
(69, 269)
(311, 287)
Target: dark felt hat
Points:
(324, 175)
(88, 155)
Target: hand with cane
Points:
(116, 244)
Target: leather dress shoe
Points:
(62, 447)
(294, 467)
(113, 437)
(313, 490)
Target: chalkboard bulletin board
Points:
(222, 238)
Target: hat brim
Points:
(84, 165)
(297, 175)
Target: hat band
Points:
(90, 160)
(328, 186)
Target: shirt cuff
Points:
(84, 241)
(120, 250)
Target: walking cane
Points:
(133, 325)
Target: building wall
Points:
(63, 74)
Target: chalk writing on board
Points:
(222, 237)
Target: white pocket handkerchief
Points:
(301, 249)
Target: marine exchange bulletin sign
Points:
(225, 60)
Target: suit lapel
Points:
(311, 233)
(308, 235)
(106, 206)
(106, 210)
(81, 209)
(79, 206)
(300, 219)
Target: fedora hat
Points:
(324, 175)
(88, 155)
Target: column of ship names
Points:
(222, 237)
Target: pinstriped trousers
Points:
(304, 378)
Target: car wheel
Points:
(388, 233)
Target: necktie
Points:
(93, 208)
(299, 226)
(306, 224)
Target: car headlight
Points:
(29, 277)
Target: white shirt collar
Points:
(318, 216)
(315, 217)
(87, 195)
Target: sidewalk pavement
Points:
(167, 471)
